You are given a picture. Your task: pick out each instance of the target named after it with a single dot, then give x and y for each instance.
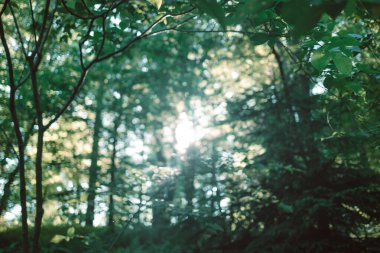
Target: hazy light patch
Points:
(2, 183)
(318, 89)
(224, 203)
(100, 217)
(137, 148)
(235, 75)
(187, 133)
(13, 214)
(115, 20)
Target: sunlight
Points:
(184, 133)
(187, 134)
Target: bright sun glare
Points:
(186, 133)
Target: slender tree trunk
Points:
(111, 207)
(39, 193)
(7, 190)
(7, 152)
(93, 177)
(215, 199)
(21, 170)
(38, 162)
(20, 141)
(11, 178)
(189, 176)
(12, 175)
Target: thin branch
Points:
(45, 37)
(18, 31)
(23, 80)
(8, 138)
(33, 21)
(4, 7)
(86, 7)
(68, 102)
(81, 42)
(147, 32)
(112, 7)
(104, 37)
(7, 55)
(42, 30)
(85, 69)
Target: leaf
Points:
(214, 9)
(285, 207)
(71, 3)
(353, 86)
(259, 38)
(350, 7)
(301, 15)
(58, 238)
(70, 231)
(319, 59)
(156, 3)
(342, 62)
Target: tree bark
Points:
(111, 207)
(20, 141)
(93, 177)
(38, 162)
(7, 190)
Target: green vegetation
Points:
(190, 126)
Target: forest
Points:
(190, 126)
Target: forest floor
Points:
(141, 239)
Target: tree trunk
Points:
(38, 162)
(215, 199)
(7, 190)
(189, 176)
(90, 214)
(111, 207)
(20, 141)
(12, 175)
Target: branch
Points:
(68, 102)
(45, 37)
(42, 30)
(4, 7)
(114, 5)
(8, 138)
(18, 31)
(97, 59)
(147, 32)
(86, 7)
(7, 55)
(81, 42)
(23, 80)
(33, 21)
(104, 37)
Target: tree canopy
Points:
(189, 126)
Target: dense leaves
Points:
(189, 126)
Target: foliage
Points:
(189, 126)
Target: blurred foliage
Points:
(228, 126)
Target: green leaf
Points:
(285, 207)
(70, 231)
(350, 7)
(214, 9)
(319, 59)
(156, 3)
(71, 3)
(353, 86)
(304, 19)
(259, 38)
(58, 238)
(342, 62)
